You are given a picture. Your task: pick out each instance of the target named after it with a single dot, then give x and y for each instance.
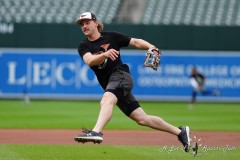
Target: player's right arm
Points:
(92, 60)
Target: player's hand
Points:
(112, 54)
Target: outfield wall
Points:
(61, 74)
(171, 37)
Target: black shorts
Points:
(121, 84)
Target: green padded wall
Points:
(165, 37)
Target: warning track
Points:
(115, 137)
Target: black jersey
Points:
(107, 40)
(199, 78)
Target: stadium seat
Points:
(156, 12)
(192, 12)
(57, 11)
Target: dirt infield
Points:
(114, 137)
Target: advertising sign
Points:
(62, 74)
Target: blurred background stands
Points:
(55, 11)
(192, 12)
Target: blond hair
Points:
(100, 26)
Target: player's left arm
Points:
(153, 54)
(140, 44)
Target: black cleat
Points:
(184, 137)
(89, 136)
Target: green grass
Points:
(77, 114)
(102, 152)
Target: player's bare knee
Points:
(143, 121)
(108, 99)
(102, 103)
(106, 104)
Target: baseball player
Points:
(197, 80)
(101, 52)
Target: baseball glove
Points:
(153, 57)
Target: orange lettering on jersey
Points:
(105, 46)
